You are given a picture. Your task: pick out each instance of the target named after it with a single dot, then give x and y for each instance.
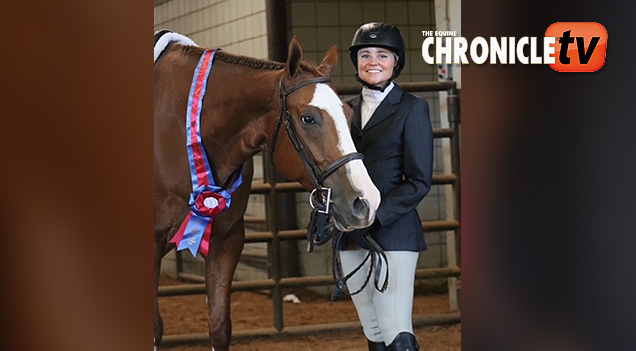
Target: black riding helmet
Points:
(383, 35)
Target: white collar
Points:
(370, 95)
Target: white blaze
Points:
(326, 99)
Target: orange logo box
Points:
(579, 46)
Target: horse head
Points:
(317, 149)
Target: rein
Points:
(375, 253)
(320, 229)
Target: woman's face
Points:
(375, 65)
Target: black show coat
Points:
(397, 143)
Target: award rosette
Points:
(206, 200)
(195, 231)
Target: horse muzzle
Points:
(357, 213)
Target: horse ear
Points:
(294, 56)
(330, 61)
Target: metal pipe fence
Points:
(270, 188)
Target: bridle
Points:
(320, 197)
(320, 230)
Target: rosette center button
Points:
(211, 202)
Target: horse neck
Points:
(241, 109)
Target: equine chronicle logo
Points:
(567, 47)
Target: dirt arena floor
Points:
(250, 310)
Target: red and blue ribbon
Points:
(206, 200)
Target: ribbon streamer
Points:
(206, 200)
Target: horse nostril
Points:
(360, 208)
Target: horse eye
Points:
(308, 119)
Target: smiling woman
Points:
(375, 65)
(393, 131)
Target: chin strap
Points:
(372, 87)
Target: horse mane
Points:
(250, 61)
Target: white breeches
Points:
(383, 315)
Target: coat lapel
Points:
(356, 118)
(385, 109)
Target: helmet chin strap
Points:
(372, 87)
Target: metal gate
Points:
(274, 236)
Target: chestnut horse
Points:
(246, 103)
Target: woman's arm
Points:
(418, 166)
